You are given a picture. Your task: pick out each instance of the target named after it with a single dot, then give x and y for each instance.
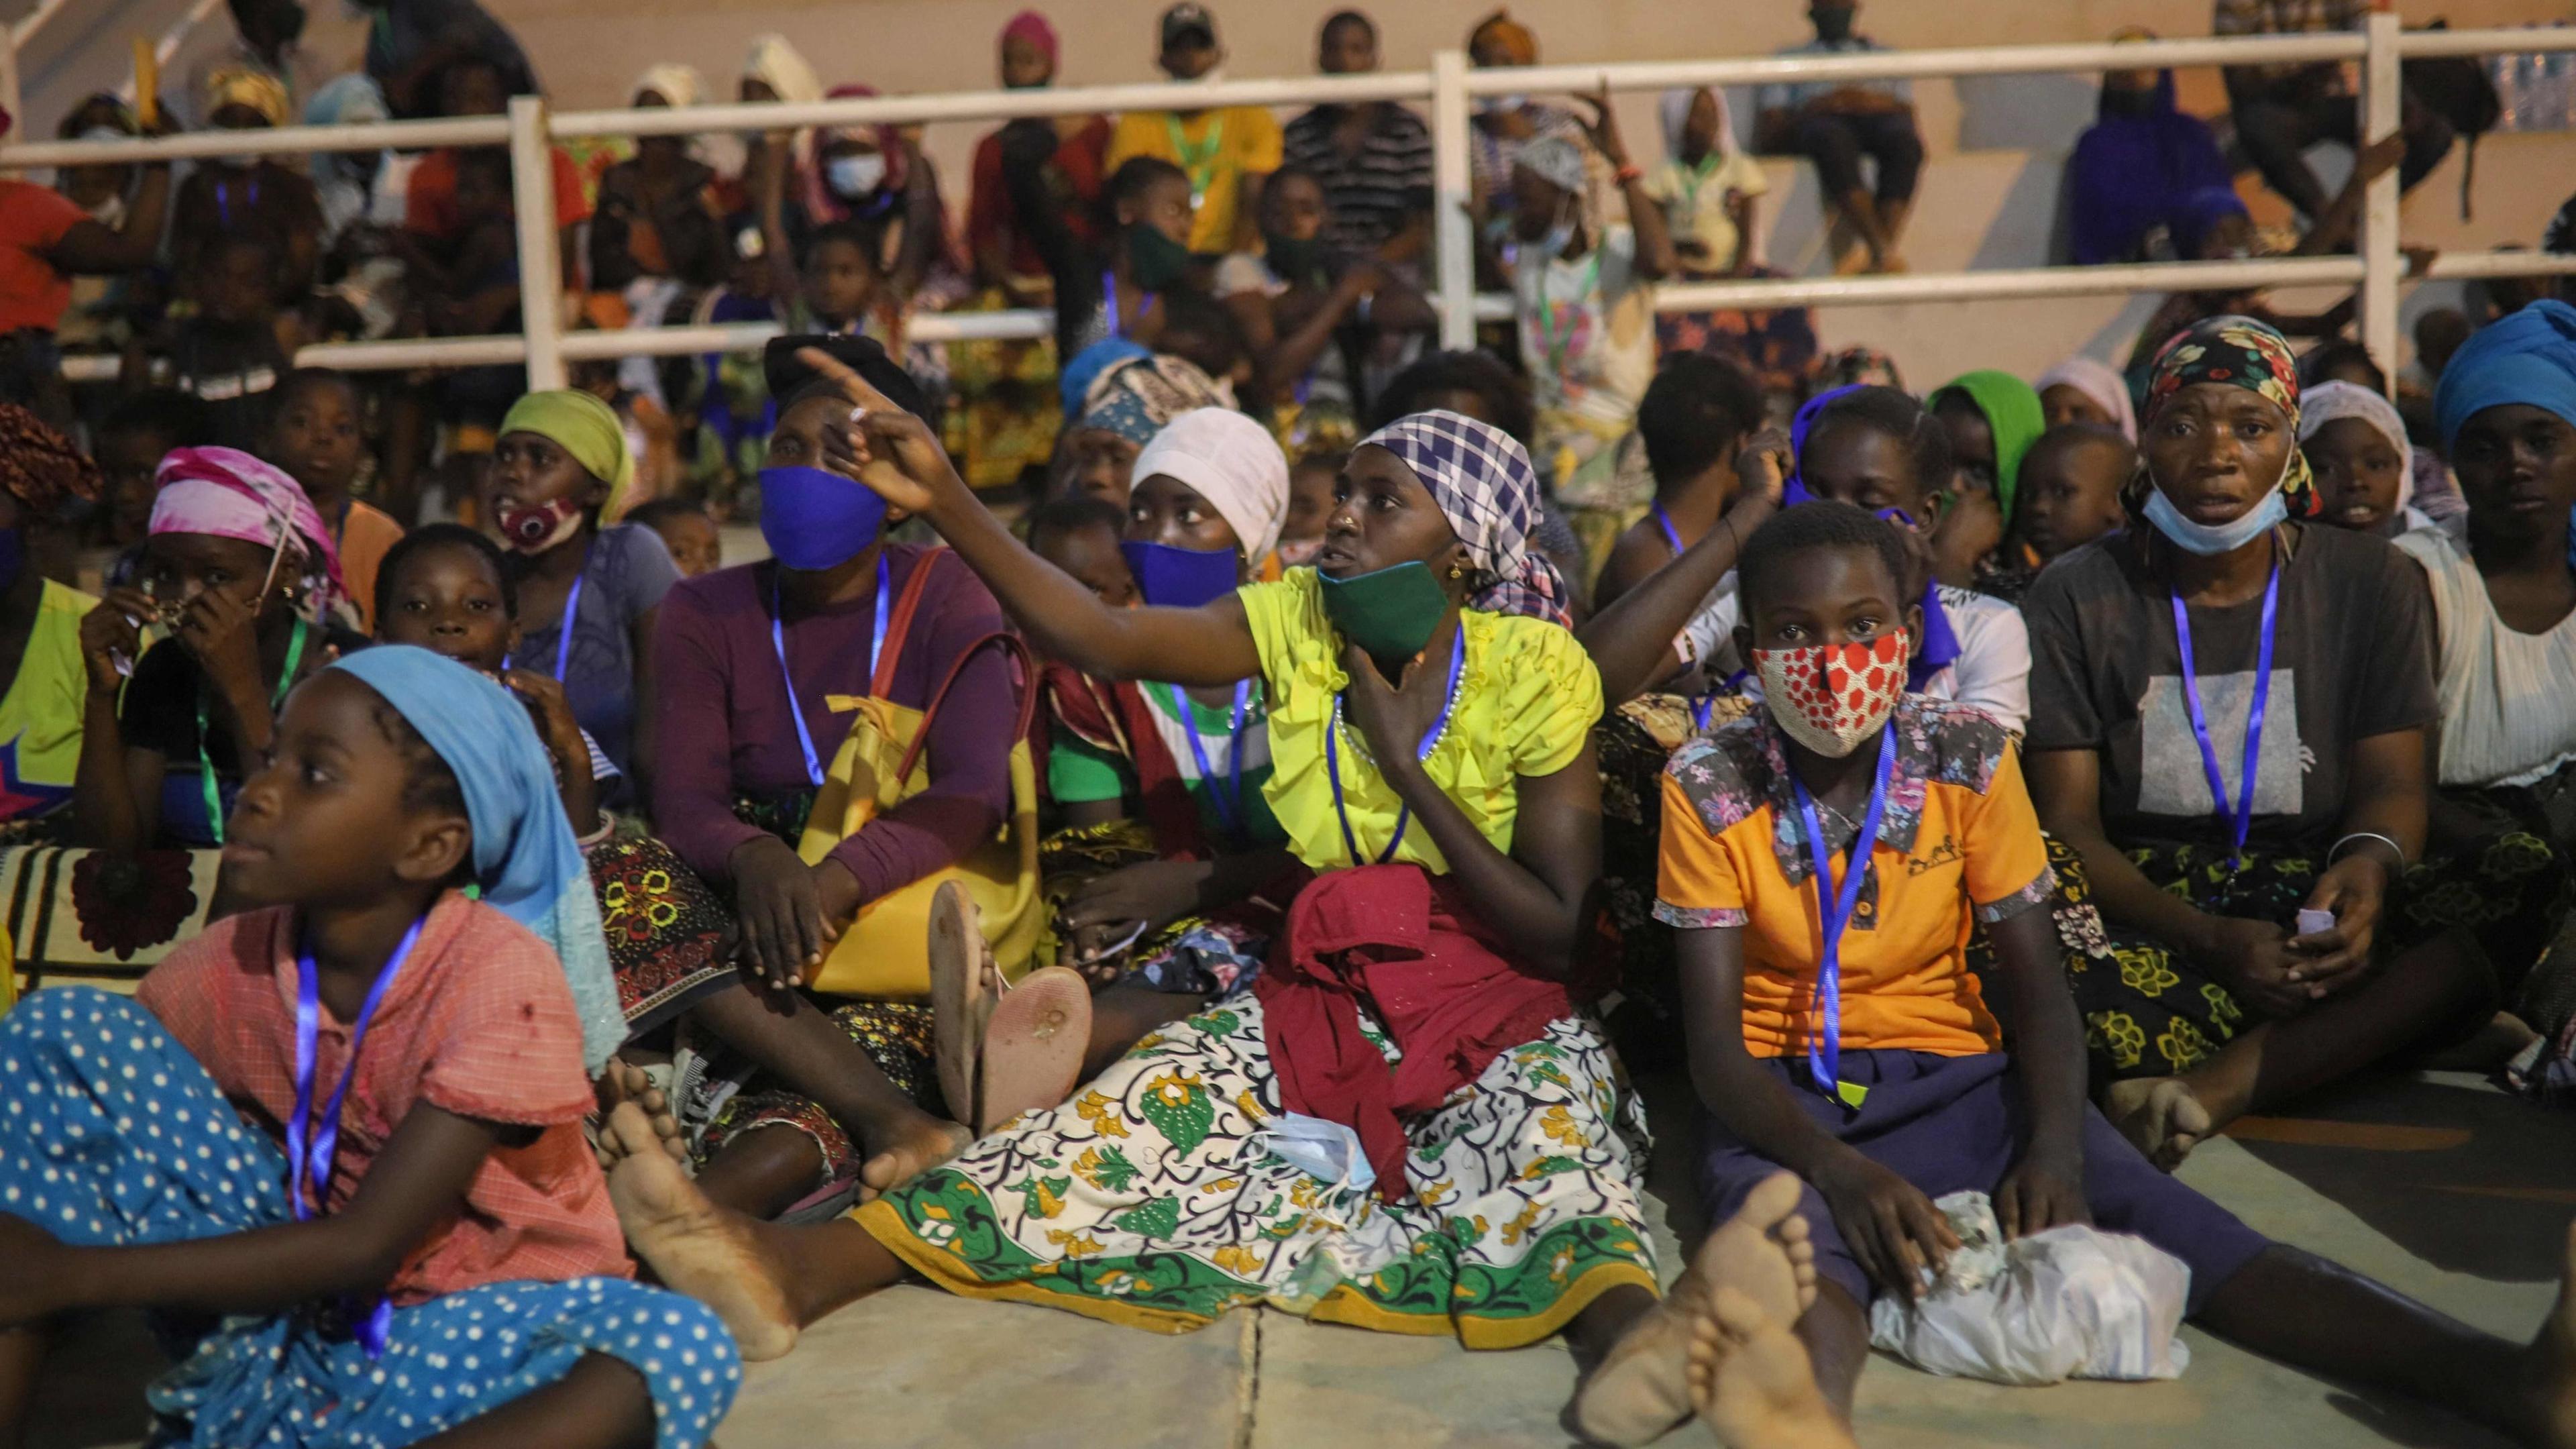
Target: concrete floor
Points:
(2436, 1184)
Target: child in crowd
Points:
(1112, 289)
(1228, 152)
(1079, 534)
(1877, 448)
(466, 273)
(1992, 418)
(449, 589)
(589, 586)
(320, 439)
(697, 547)
(247, 198)
(228, 356)
(241, 573)
(1122, 411)
(142, 429)
(1905, 1090)
(456, 1259)
(2070, 495)
(1310, 504)
(2356, 444)
(1696, 414)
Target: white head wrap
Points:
(1676, 108)
(681, 85)
(2098, 381)
(2328, 401)
(1233, 463)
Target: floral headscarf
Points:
(2240, 352)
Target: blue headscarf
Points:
(1073, 382)
(526, 860)
(2195, 212)
(2529, 358)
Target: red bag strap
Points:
(890, 651)
(1017, 648)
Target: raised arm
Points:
(1631, 641)
(1655, 255)
(894, 453)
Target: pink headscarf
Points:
(226, 493)
(820, 204)
(1032, 27)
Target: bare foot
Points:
(915, 1145)
(2159, 1116)
(1752, 1382)
(694, 1246)
(1639, 1392)
(625, 1082)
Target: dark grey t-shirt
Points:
(628, 572)
(2352, 658)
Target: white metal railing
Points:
(1448, 88)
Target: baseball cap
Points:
(1185, 18)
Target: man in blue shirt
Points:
(1834, 126)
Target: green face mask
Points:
(1389, 612)
(1158, 261)
(1294, 260)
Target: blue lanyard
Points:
(1430, 742)
(1109, 300)
(308, 1168)
(1834, 912)
(2243, 809)
(571, 616)
(1664, 521)
(1229, 811)
(778, 642)
(224, 200)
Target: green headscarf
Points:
(2013, 414)
(588, 429)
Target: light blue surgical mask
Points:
(1501, 105)
(1324, 1150)
(2215, 538)
(856, 176)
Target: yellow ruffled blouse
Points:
(1527, 699)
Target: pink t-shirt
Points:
(480, 1022)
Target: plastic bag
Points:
(2072, 1302)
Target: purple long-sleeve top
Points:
(726, 731)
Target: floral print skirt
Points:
(1151, 1199)
(2149, 1011)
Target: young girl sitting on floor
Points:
(1898, 1087)
(452, 1273)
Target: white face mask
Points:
(854, 176)
(1500, 105)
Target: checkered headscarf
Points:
(1484, 483)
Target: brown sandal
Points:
(1033, 1047)
(962, 995)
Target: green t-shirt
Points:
(1079, 772)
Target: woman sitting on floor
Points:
(2231, 706)
(1432, 764)
(1903, 1088)
(2504, 606)
(834, 1093)
(1155, 908)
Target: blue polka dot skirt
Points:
(112, 1135)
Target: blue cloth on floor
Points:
(111, 1134)
(1956, 1124)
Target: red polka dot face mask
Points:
(1830, 697)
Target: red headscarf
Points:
(1032, 27)
(820, 204)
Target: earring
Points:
(1456, 572)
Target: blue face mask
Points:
(1182, 578)
(815, 520)
(2215, 538)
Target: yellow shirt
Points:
(1527, 699)
(41, 715)
(1222, 147)
(1958, 835)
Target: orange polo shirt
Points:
(1958, 836)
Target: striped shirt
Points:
(1367, 196)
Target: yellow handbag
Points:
(885, 952)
